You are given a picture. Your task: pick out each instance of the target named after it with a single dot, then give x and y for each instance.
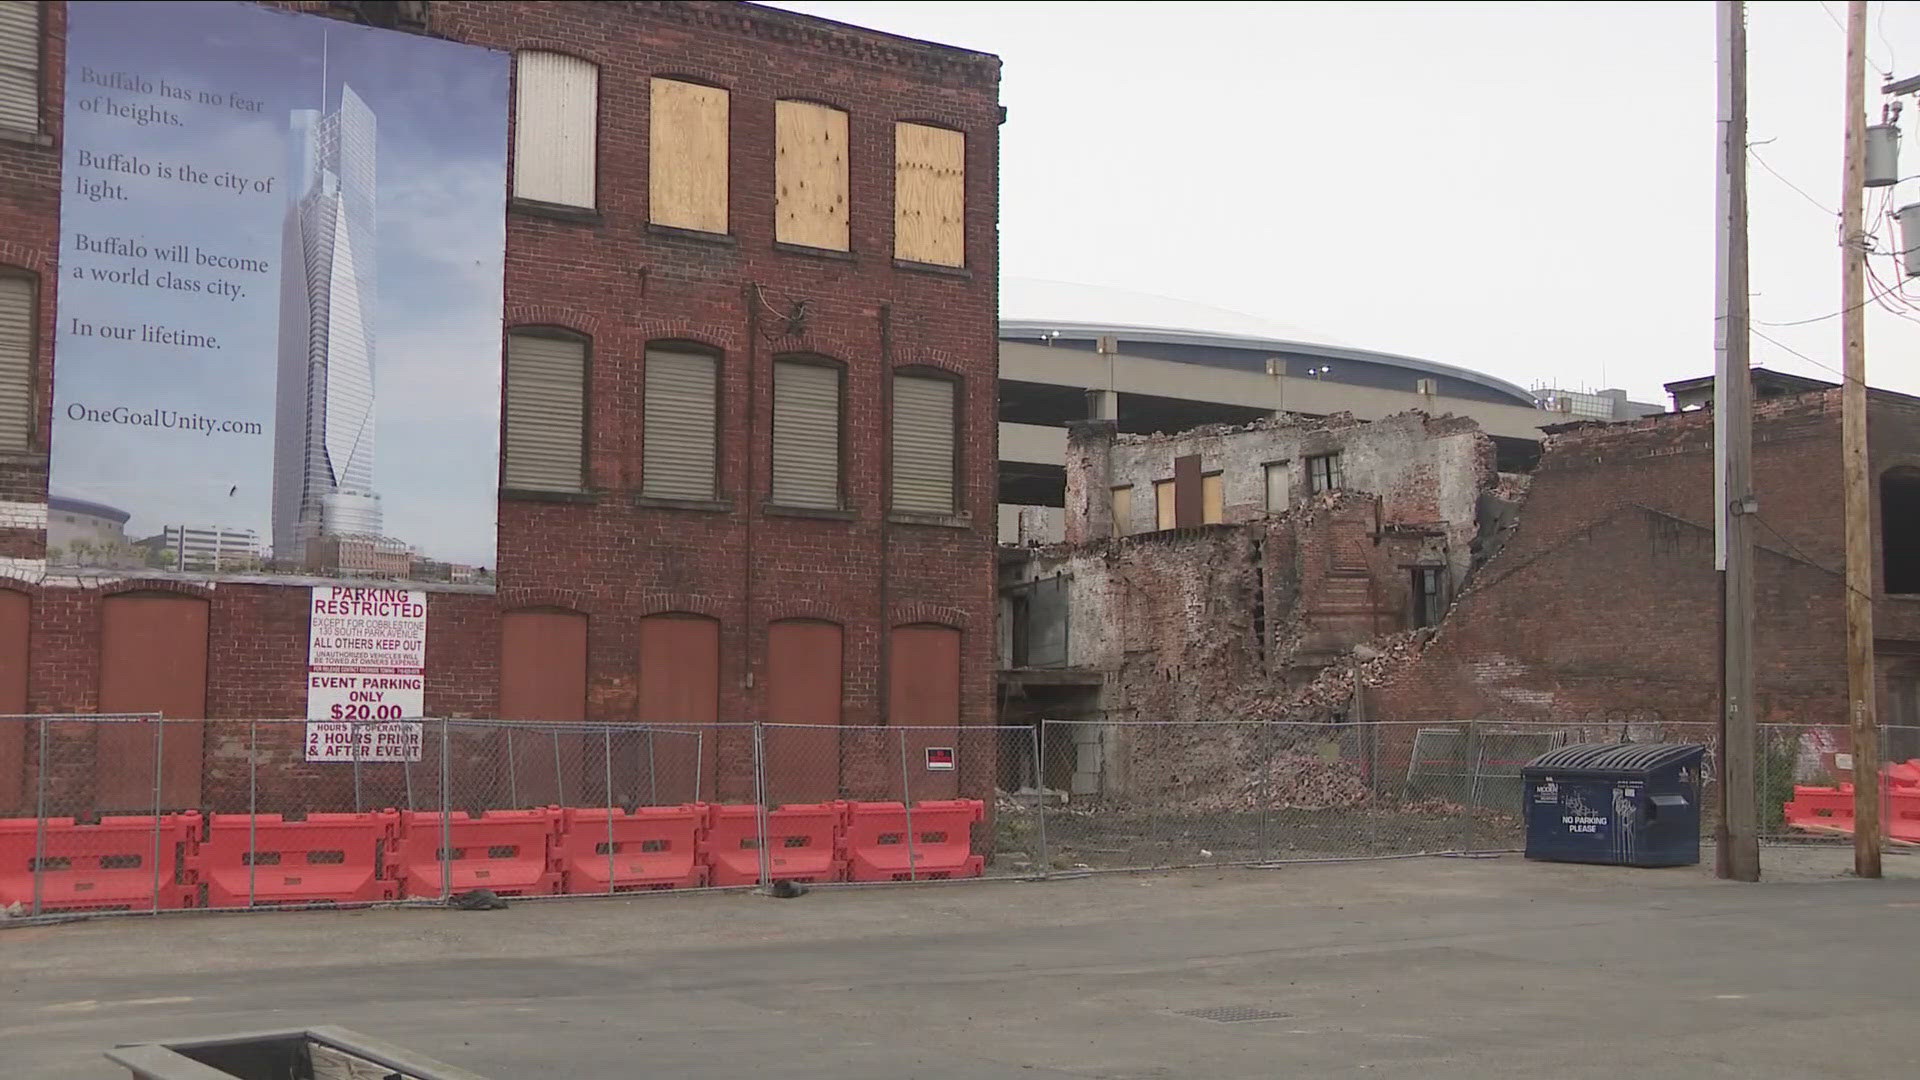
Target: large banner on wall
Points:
(281, 247)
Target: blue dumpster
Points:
(1622, 804)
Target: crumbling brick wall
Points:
(1605, 604)
(1427, 471)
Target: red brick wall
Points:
(625, 284)
(1606, 603)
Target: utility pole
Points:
(1863, 725)
(1737, 839)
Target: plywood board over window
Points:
(687, 157)
(929, 195)
(810, 175)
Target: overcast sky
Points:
(1526, 190)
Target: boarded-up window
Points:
(16, 611)
(679, 690)
(923, 444)
(687, 161)
(556, 118)
(923, 697)
(543, 676)
(810, 175)
(1213, 499)
(806, 435)
(546, 411)
(20, 65)
(153, 659)
(543, 665)
(1163, 504)
(678, 446)
(929, 195)
(1278, 487)
(803, 688)
(1123, 510)
(16, 360)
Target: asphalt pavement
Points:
(1447, 968)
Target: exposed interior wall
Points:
(1428, 472)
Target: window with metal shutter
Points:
(556, 109)
(806, 435)
(546, 412)
(16, 361)
(20, 65)
(923, 465)
(677, 446)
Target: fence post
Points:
(1478, 742)
(1040, 794)
(513, 776)
(446, 815)
(653, 784)
(906, 800)
(699, 760)
(253, 801)
(159, 756)
(40, 819)
(606, 747)
(1265, 788)
(760, 802)
(559, 776)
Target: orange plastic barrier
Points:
(653, 847)
(941, 844)
(326, 859)
(507, 851)
(802, 843)
(1830, 810)
(107, 866)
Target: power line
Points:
(1762, 162)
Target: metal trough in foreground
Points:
(316, 1053)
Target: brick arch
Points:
(939, 359)
(529, 316)
(825, 611)
(910, 612)
(711, 335)
(155, 585)
(664, 603)
(834, 345)
(521, 597)
(17, 584)
(16, 254)
(554, 45)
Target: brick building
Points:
(1222, 573)
(1604, 606)
(740, 243)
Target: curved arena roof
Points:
(1033, 308)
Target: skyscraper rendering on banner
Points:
(324, 413)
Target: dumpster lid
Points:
(1632, 757)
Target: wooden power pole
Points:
(1737, 839)
(1863, 725)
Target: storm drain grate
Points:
(1232, 1014)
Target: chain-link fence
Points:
(1146, 795)
(117, 814)
(133, 813)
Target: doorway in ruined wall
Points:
(543, 678)
(804, 665)
(153, 659)
(16, 615)
(679, 689)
